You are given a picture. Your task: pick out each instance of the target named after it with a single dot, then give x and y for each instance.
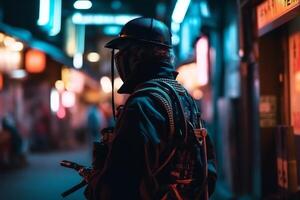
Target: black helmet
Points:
(144, 30)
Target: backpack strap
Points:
(200, 132)
(171, 92)
(164, 100)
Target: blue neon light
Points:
(101, 19)
(204, 9)
(180, 10)
(44, 12)
(56, 25)
(50, 16)
(112, 30)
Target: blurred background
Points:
(240, 59)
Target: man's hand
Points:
(86, 174)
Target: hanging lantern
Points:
(35, 61)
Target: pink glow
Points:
(61, 112)
(202, 59)
(68, 99)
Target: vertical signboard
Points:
(267, 111)
(294, 62)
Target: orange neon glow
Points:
(189, 76)
(1, 81)
(197, 94)
(35, 61)
(294, 67)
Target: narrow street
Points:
(43, 178)
(156, 73)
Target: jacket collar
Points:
(145, 72)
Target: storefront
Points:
(41, 92)
(278, 30)
(11, 53)
(210, 70)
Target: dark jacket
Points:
(141, 143)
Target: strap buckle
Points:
(200, 133)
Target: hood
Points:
(146, 71)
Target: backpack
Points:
(182, 172)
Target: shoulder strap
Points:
(163, 99)
(162, 91)
(170, 92)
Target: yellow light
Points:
(93, 57)
(17, 46)
(297, 81)
(2, 36)
(59, 85)
(117, 83)
(197, 94)
(188, 76)
(8, 41)
(14, 45)
(297, 76)
(9, 60)
(105, 84)
(65, 77)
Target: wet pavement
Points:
(43, 178)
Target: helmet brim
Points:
(120, 42)
(116, 43)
